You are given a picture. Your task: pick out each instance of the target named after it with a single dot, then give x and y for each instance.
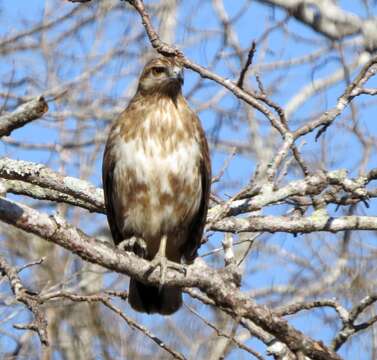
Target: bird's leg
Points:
(134, 244)
(161, 261)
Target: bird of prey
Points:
(156, 179)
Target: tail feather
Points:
(151, 299)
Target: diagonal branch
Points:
(77, 192)
(323, 16)
(105, 300)
(220, 333)
(261, 104)
(349, 327)
(216, 284)
(249, 61)
(168, 50)
(25, 113)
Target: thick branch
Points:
(88, 196)
(319, 221)
(41, 193)
(218, 285)
(323, 16)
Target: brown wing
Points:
(108, 166)
(197, 225)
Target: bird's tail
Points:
(151, 299)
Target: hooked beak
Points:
(176, 74)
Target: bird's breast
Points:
(157, 176)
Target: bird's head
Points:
(163, 75)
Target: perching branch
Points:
(217, 284)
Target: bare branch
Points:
(329, 116)
(41, 193)
(319, 221)
(296, 307)
(105, 300)
(221, 333)
(25, 113)
(349, 327)
(324, 16)
(218, 285)
(87, 195)
(249, 61)
(32, 302)
(168, 50)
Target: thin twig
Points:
(249, 61)
(105, 300)
(222, 334)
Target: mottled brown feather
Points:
(190, 249)
(107, 180)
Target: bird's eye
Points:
(158, 70)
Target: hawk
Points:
(156, 179)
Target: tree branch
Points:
(25, 113)
(168, 50)
(55, 186)
(323, 16)
(216, 284)
(319, 221)
(105, 300)
(349, 327)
